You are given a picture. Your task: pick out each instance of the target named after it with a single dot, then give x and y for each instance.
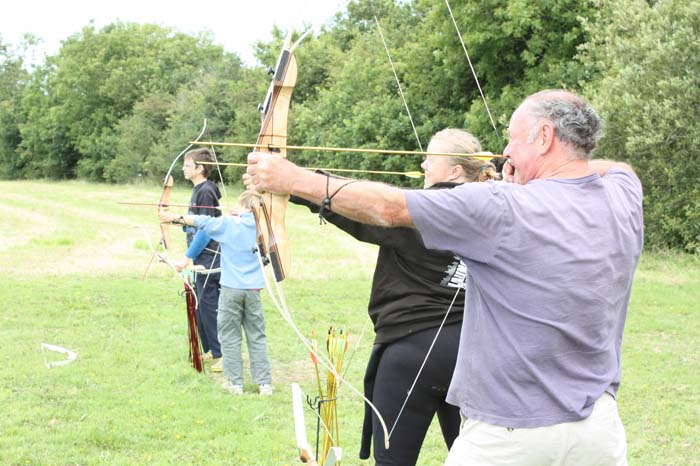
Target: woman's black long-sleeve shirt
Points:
(412, 286)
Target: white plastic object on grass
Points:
(70, 355)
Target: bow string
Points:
(493, 124)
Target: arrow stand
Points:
(316, 403)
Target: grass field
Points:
(72, 261)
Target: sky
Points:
(235, 24)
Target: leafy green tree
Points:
(136, 137)
(14, 77)
(516, 47)
(46, 150)
(95, 80)
(647, 57)
(162, 125)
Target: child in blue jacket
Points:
(240, 305)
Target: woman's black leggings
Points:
(397, 369)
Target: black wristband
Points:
(326, 202)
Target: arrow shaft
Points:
(159, 204)
(415, 174)
(273, 147)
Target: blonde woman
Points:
(412, 290)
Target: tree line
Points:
(118, 103)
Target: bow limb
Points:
(164, 202)
(196, 140)
(167, 188)
(273, 132)
(211, 269)
(163, 207)
(166, 262)
(164, 228)
(305, 453)
(192, 304)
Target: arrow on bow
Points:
(158, 204)
(275, 148)
(411, 174)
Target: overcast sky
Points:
(236, 24)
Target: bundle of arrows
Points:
(336, 347)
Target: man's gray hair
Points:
(575, 122)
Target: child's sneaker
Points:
(231, 388)
(265, 389)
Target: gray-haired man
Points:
(551, 257)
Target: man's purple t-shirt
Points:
(550, 267)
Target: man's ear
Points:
(546, 138)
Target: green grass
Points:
(72, 261)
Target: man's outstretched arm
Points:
(364, 201)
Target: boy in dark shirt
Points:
(203, 251)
